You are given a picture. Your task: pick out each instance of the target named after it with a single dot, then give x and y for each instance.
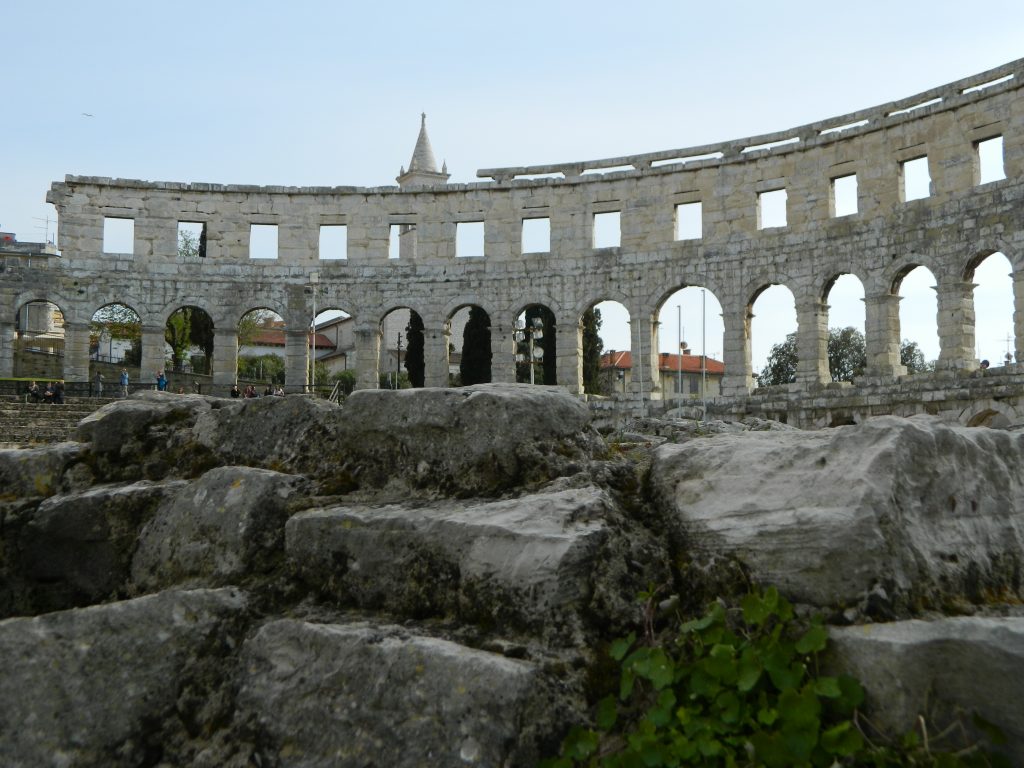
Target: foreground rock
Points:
(225, 528)
(937, 668)
(895, 514)
(93, 686)
(337, 696)
(522, 562)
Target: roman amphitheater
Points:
(735, 255)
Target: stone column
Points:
(367, 349)
(76, 351)
(812, 343)
(882, 335)
(1018, 317)
(297, 359)
(435, 356)
(642, 341)
(956, 324)
(225, 359)
(153, 356)
(8, 343)
(737, 380)
(503, 355)
(569, 355)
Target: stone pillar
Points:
(153, 356)
(956, 324)
(76, 351)
(642, 341)
(297, 359)
(1018, 316)
(503, 354)
(435, 356)
(8, 343)
(569, 355)
(225, 359)
(812, 343)
(882, 335)
(737, 380)
(367, 349)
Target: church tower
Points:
(423, 166)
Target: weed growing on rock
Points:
(738, 688)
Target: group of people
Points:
(250, 391)
(53, 393)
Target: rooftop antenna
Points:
(45, 227)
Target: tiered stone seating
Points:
(24, 423)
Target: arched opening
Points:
(607, 364)
(535, 345)
(919, 333)
(690, 343)
(332, 345)
(261, 348)
(847, 345)
(115, 349)
(401, 363)
(39, 344)
(469, 360)
(188, 337)
(993, 309)
(773, 325)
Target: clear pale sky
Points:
(329, 93)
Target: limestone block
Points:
(932, 668)
(335, 695)
(932, 513)
(83, 687)
(221, 528)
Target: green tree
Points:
(781, 365)
(189, 327)
(414, 356)
(475, 365)
(912, 357)
(268, 367)
(847, 353)
(592, 345)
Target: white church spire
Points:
(423, 166)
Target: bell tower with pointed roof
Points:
(423, 166)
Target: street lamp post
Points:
(531, 332)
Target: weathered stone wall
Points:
(947, 232)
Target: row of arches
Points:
(771, 314)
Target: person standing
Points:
(124, 382)
(99, 384)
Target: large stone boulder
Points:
(335, 696)
(938, 669)
(147, 436)
(95, 686)
(911, 512)
(76, 549)
(227, 527)
(528, 561)
(35, 472)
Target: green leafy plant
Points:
(736, 688)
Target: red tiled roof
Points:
(666, 362)
(273, 338)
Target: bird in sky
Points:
(86, 114)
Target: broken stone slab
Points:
(934, 668)
(913, 511)
(222, 528)
(35, 472)
(477, 440)
(524, 561)
(91, 685)
(147, 435)
(76, 549)
(336, 696)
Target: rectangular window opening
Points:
(118, 235)
(990, 160)
(262, 241)
(469, 238)
(844, 195)
(689, 221)
(536, 235)
(333, 242)
(916, 180)
(192, 239)
(607, 229)
(771, 209)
